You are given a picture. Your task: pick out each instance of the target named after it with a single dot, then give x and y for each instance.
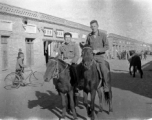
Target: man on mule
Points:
(98, 41)
(69, 52)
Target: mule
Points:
(89, 81)
(135, 62)
(60, 70)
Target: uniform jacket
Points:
(98, 43)
(69, 51)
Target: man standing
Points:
(20, 52)
(98, 41)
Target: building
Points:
(39, 35)
(32, 32)
(120, 43)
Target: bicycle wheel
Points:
(12, 81)
(36, 79)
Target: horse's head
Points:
(51, 69)
(87, 56)
(131, 52)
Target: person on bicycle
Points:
(20, 66)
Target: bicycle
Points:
(14, 80)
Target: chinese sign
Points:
(60, 33)
(48, 32)
(5, 25)
(30, 28)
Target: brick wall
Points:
(17, 38)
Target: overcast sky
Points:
(130, 18)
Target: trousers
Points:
(104, 71)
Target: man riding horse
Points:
(69, 53)
(99, 43)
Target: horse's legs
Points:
(68, 103)
(100, 99)
(93, 94)
(85, 101)
(75, 97)
(140, 71)
(134, 70)
(110, 101)
(72, 104)
(63, 105)
(130, 70)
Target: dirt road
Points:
(132, 98)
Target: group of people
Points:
(69, 51)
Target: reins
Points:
(56, 71)
(87, 47)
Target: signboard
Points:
(5, 25)
(74, 35)
(60, 33)
(30, 28)
(84, 36)
(48, 32)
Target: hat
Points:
(20, 49)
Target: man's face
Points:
(67, 38)
(94, 27)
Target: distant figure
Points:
(20, 52)
(145, 55)
(135, 62)
(20, 67)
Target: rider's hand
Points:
(96, 51)
(45, 51)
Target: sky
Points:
(129, 18)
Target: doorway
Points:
(4, 49)
(50, 48)
(29, 51)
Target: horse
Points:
(90, 81)
(135, 62)
(56, 68)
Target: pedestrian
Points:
(98, 41)
(20, 67)
(20, 52)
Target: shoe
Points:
(14, 86)
(23, 84)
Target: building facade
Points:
(120, 43)
(36, 33)
(33, 32)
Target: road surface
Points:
(132, 98)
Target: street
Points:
(132, 98)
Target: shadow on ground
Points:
(52, 102)
(137, 85)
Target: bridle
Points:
(56, 71)
(91, 61)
